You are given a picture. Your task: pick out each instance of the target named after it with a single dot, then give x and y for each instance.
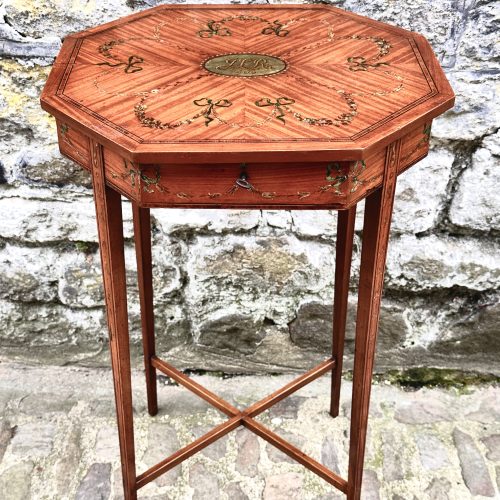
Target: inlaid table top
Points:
(218, 83)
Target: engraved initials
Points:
(246, 63)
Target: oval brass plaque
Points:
(245, 65)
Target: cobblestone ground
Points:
(58, 440)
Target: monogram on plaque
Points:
(245, 65)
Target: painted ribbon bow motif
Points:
(280, 101)
(131, 66)
(360, 63)
(214, 28)
(217, 28)
(275, 28)
(210, 104)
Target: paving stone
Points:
(107, 447)
(162, 442)
(493, 445)
(43, 402)
(117, 483)
(393, 463)
(374, 410)
(204, 483)
(286, 486)
(6, 433)
(497, 472)
(72, 451)
(33, 440)
(248, 453)
(69, 460)
(96, 484)
(370, 489)
(433, 454)
(234, 492)
(438, 489)
(288, 407)
(489, 409)
(15, 482)
(276, 455)
(426, 411)
(329, 456)
(474, 470)
(216, 450)
(332, 496)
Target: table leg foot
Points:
(343, 258)
(142, 233)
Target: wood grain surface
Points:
(337, 87)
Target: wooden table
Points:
(258, 107)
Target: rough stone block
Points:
(474, 470)
(476, 204)
(262, 277)
(81, 285)
(47, 325)
(230, 331)
(433, 454)
(312, 328)
(421, 193)
(438, 489)
(96, 484)
(314, 223)
(16, 480)
(234, 492)
(420, 264)
(6, 434)
(45, 165)
(33, 440)
(248, 457)
(69, 460)
(184, 221)
(34, 221)
(278, 456)
(217, 449)
(204, 482)
(475, 334)
(280, 219)
(47, 19)
(475, 113)
(28, 274)
(371, 485)
(162, 442)
(423, 411)
(283, 486)
(478, 49)
(329, 455)
(393, 456)
(492, 443)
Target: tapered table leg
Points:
(142, 231)
(378, 211)
(110, 227)
(343, 258)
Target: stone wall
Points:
(251, 291)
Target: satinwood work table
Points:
(258, 107)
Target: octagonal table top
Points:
(303, 81)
